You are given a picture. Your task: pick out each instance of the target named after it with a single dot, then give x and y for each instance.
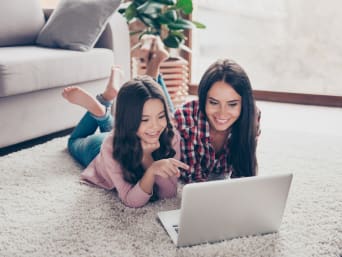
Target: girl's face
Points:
(153, 121)
(223, 106)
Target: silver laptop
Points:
(224, 209)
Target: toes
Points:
(160, 44)
(146, 47)
(69, 88)
(65, 91)
(146, 41)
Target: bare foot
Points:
(159, 50)
(114, 83)
(78, 96)
(142, 50)
(158, 55)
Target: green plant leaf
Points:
(185, 6)
(122, 10)
(166, 2)
(171, 15)
(138, 2)
(152, 24)
(180, 24)
(162, 20)
(150, 8)
(155, 14)
(130, 12)
(167, 17)
(178, 34)
(199, 25)
(172, 41)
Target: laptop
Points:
(224, 209)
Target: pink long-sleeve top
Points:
(107, 173)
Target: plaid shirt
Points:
(196, 148)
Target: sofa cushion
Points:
(76, 24)
(20, 22)
(30, 68)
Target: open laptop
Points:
(224, 209)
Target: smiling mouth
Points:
(152, 134)
(221, 121)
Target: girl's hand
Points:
(167, 167)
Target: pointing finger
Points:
(179, 164)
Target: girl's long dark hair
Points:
(127, 149)
(243, 140)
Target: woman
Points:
(219, 130)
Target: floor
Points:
(294, 117)
(303, 118)
(30, 143)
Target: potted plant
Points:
(167, 19)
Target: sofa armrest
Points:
(116, 37)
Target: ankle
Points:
(104, 101)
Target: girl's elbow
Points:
(133, 204)
(169, 194)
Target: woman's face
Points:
(222, 107)
(153, 121)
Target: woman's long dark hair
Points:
(127, 148)
(243, 140)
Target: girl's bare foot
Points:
(158, 54)
(114, 83)
(143, 48)
(159, 50)
(78, 96)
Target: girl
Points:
(140, 157)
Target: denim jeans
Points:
(161, 82)
(84, 144)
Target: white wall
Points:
(284, 45)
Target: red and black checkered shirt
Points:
(196, 148)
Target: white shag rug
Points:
(45, 211)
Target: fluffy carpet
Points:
(45, 211)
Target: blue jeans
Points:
(161, 82)
(84, 144)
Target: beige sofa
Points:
(32, 78)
